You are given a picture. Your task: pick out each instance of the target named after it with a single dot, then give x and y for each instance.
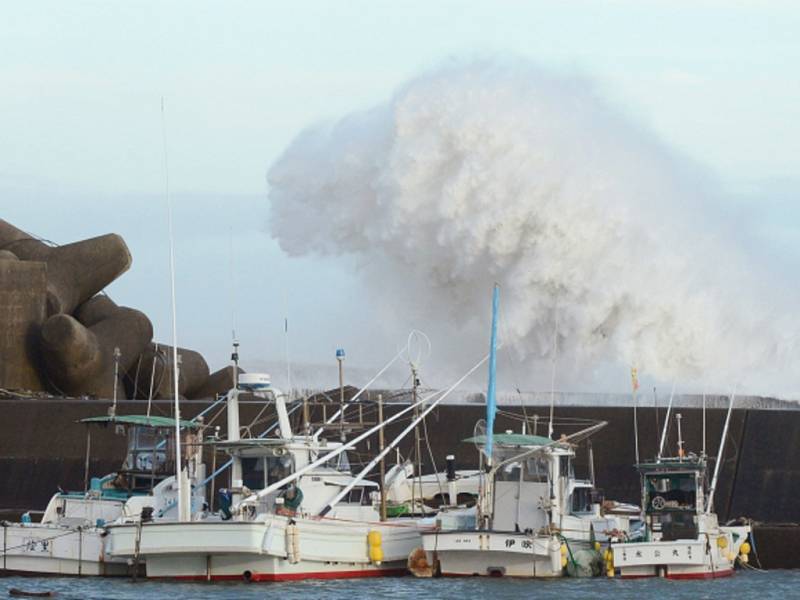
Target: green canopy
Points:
(514, 439)
(155, 422)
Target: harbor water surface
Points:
(767, 585)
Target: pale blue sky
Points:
(81, 146)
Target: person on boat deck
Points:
(120, 482)
(292, 498)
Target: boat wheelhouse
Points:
(294, 511)
(683, 539)
(70, 538)
(534, 516)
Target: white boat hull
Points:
(264, 550)
(681, 559)
(33, 549)
(493, 554)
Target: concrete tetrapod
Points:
(155, 365)
(95, 309)
(80, 360)
(23, 296)
(219, 382)
(75, 272)
(9, 233)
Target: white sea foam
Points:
(501, 171)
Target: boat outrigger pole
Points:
(344, 447)
(713, 488)
(412, 426)
(666, 424)
(332, 454)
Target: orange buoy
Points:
(418, 563)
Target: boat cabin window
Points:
(671, 491)
(582, 499)
(533, 469)
(279, 467)
(259, 472)
(536, 470)
(339, 463)
(253, 473)
(510, 472)
(147, 451)
(358, 495)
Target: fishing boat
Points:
(683, 536)
(269, 526)
(295, 509)
(533, 516)
(70, 538)
(534, 519)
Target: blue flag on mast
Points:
(491, 400)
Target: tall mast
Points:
(553, 375)
(381, 446)
(340, 360)
(491, 401)
(233, 418)
(178, 470)
(417, 444)
(634, 388)
(704, 421)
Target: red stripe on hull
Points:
(714, 575)
(501, 576)
(263, 577)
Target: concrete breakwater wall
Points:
(41, 447)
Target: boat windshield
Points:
(671, 504)
(536, 469)
(357, 495)
(279, 467)
(260, 472)
(339, 463)
(510, 472)
(532, 469)
(671, 491)
(148, 451)
(582, 499)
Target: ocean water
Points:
(767, 585)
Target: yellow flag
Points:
(635, 378)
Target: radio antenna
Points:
(178, 470)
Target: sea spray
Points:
(502, 171)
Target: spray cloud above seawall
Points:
(596, 231)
